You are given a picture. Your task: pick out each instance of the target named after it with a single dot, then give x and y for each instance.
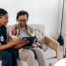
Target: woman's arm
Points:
(10, 44)
(21, 45)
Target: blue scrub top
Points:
(3, 33)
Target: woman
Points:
(8, 55)
(21, 30)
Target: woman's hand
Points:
(13, 43)
(18, 40)
(21, 45)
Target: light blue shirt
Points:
(24, 34)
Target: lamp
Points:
(60, 38)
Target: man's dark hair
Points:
(3, 12)
(22, 13)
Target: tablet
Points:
(31, 39)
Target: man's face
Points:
(22, 20)
(4, 20)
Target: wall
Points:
(64, 22)
(47, 12)
(51, 17)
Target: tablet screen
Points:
(31, 39)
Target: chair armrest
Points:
(53, 45)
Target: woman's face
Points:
(4, 20)
(22, 20)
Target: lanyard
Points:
(1, 38)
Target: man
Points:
(8, 55)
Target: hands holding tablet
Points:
(21, 45)
(21, 42)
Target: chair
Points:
(52, 54)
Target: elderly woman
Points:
(21, 30)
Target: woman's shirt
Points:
(16, 31)
(3, 35)
(23, 34)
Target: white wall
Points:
(47, 12)
(64, 22)
(51, 16)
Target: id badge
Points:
(2, 38)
